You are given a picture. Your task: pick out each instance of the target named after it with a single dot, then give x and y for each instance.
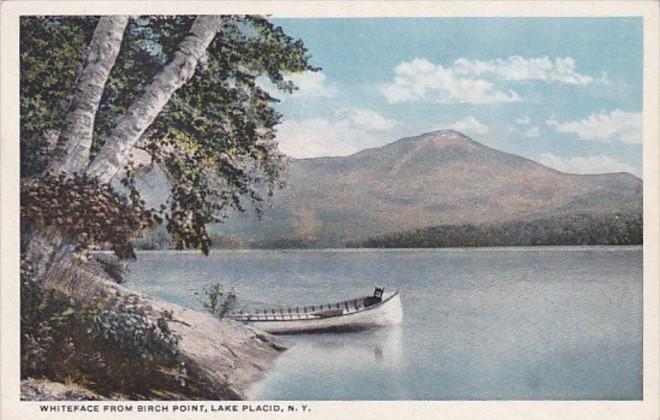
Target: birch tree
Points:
(185, 91)
(75, 141)
(144, 110)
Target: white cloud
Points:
(312, 85)
(371, 120)
(522, 121)
(316, 137)
(532, 132)
(586, 165)
(517, 68)
(473, 81)
(420, 79)
(469, 125)
(312, 138)
(349, 131)
(618, 125)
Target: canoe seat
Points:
(376, 298)
(329, 313)
(371, 300)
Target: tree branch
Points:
(144, 110)
(75, 140)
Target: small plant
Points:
(216, 301)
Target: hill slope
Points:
(438, 178)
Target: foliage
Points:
(85, 211)
(578, 229)
(52, 49)
(216, 301)
(215, 137)
(214, 140)
(113, 343)
(37, 339)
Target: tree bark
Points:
(75, 140)
(144, 110)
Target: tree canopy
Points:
(214, 138)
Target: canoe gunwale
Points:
(312, 316)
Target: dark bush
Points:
(113, 344)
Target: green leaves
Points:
(88, 213)
(111, 343)
(214, 139)
(216, 301)
(51, 52)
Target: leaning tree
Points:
(104, 98)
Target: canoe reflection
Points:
(348, 350)
(336, 357)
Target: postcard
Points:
(330, 209)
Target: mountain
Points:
(437, 178)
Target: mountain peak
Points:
(445, 133)
(437, 178)
(446, 139)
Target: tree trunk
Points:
(144, 110)
(75, 140)
(44, 248)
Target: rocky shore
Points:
(217, 359)
(222, 359)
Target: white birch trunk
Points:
(75, 140)
(144, 110)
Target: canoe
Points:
(380, 309)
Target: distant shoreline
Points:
(559, 230)
(353, 250)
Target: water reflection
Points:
(335, 357)
(374, 346)
(528, 324)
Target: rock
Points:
(222, 354)
(45, 390)
(220, 358)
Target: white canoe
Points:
(349, 315)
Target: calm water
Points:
(515, 323)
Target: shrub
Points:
(114, 344)
(216, 301)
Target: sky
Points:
(565, 92)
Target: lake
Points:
(558, 323)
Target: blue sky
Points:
(566, 92)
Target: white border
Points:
(649, 408)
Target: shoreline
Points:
(365, 250)
(217, 359)
(227, 357)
